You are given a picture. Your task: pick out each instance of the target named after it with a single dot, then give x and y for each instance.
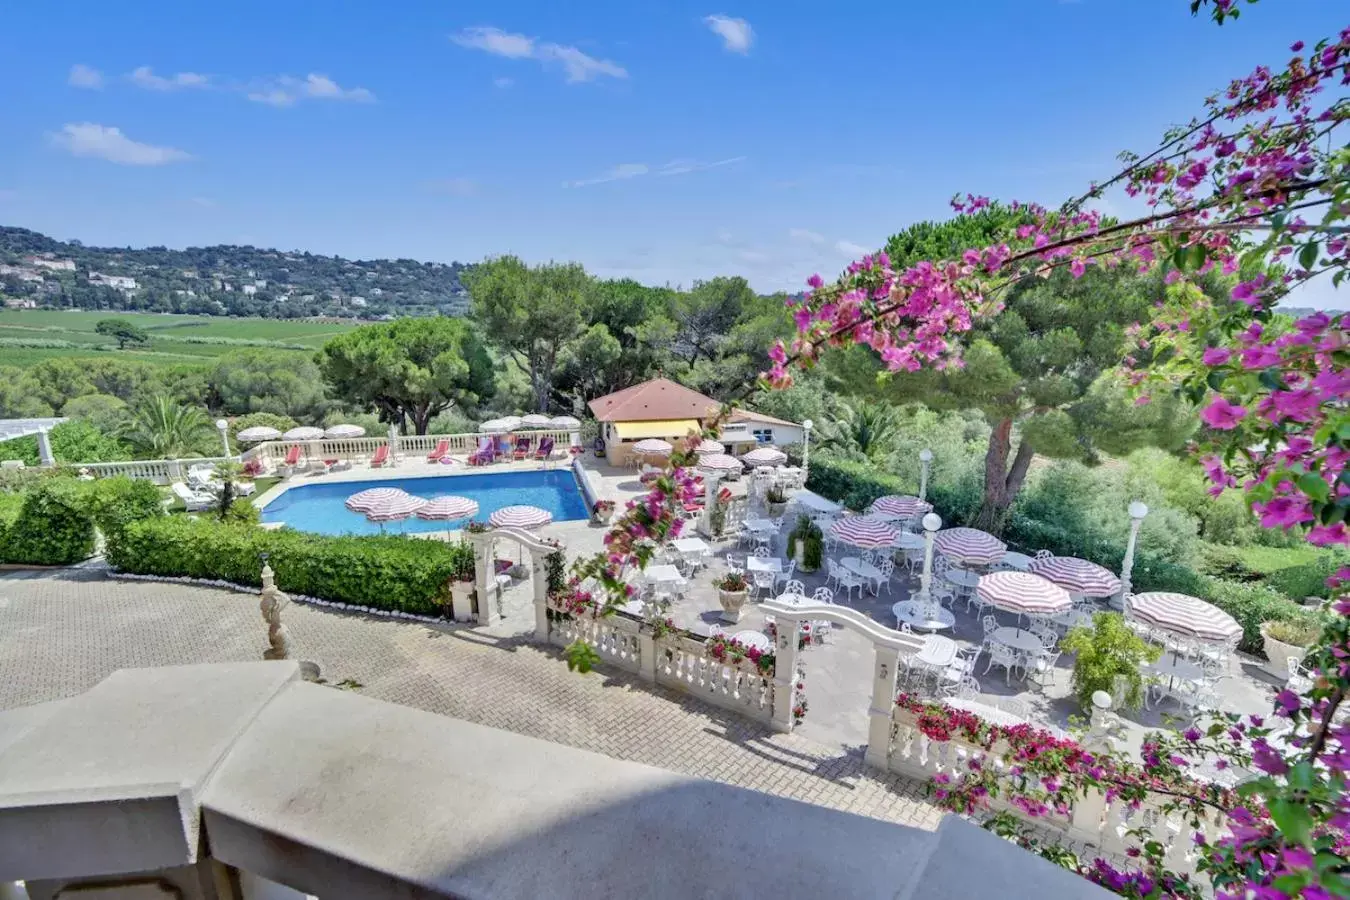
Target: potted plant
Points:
(1285, 639)
(776, 500)
(806, 544)
(732, 590)
(603, 511)
(1107, 652)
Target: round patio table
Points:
(1016, 638)
(908, 540)
(794, 600)
(755, 639)
(962, 578)
(1019, 561)
(938, 652)
(912, 613)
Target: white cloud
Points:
(620, 172)
(809, 237)
(82, 76)
(455, 187)
(107, 142)
(503, 82)
(736, 34)
(577, 66)
(286, 90)
(634, 170)
(685, 166)
(848, 248)
(145, 77)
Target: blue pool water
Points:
(319, 507)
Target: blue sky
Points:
(668, 142)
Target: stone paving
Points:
(65, 630)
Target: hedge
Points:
(856, 485)
(53, 526)
(385, 572)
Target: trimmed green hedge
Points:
(53, 526)
(385, 572)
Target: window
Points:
(763, 435)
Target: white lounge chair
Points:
(193, 501)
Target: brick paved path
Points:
(61, 632)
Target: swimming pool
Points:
(319, 507)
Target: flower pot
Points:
(603, 516)
(776, 509)
(461, 593)
(1278, 653)
(731, 601)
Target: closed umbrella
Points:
(304, 433)
(765, 456)
(535, 420)
(564, 423)
(500, 426)
(1023, 593)
(709, 446)
(1077, 575)
(445, 509)
(970, 545)
(720, 462)
(867, 532)
(258, 433)
(901, 506)
(520, 517)
(345, 431)
(1183, 614)
(652, 447)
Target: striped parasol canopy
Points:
(372, 497)
(535, 420)
(765, 456)
(719, 462)
(970, 545)
(520, 517)
(345, 431)
(1023, 593)
(867, 532)
(444, 509)
(900, 506)
(653, 447)
(1077, 575)
(304, 433)
(1183, 614)
(393, 508)
(709, 446)
(500, 426)
(258, 433)
(564, 423)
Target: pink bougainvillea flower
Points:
(1217, 356)
(1328, 535)
(1260, 357)
(1222, 415)
(1284, 512)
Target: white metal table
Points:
(1073, 618)
(865, 569)
(691, 545)
(938, 652)
(962, 578)
(908, 540)
(761, 525)
(755, 639)
(764, 564)
(663, 574)
(795, 600)
(1017, 639)
(912, 613)
(1014, 560)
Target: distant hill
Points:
(36, 270)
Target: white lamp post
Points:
(925, 460)
(224, 428)
(931, 523)
(1137, 511)
(806, 445)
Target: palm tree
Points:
(866, 428)
(166, 429)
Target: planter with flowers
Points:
(732, 589)
(603, 511)
(776, 500)
(1286, 640)
(730, 652)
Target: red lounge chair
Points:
(484, 454)
(522, 448)
(442, 448)
(381, 456)
(545, 449)
(292, 456)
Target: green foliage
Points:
(807, 533)
(555, 572)
(242, 511)
(1108, 652)
(409, 369)
(1298, 632)
(78, 441)
(1224, 562)
(253, 381)
(123, 331)
(259, 419)
(115, 503)
(862, 429)
(105, 412)
(856, 485)
(394, 572)
(1251, 605)
(1307, 580)
(163, 428)
(53, 527)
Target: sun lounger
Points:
(442, 448)
(381, 456)
(193, 501)
(485, 453)
(545, 449)
(522, 448)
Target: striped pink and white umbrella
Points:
(900, 506)
(970, 545)
(445, 509)
(520, 517)
(373, 497)
(653, 447)
(867, 532)
(394, 508)
(720, 462)
(1077, 575)
(1183, 614)
(765, 456)
(709, 446)
(1023, 593)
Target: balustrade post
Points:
(883, 705)
(539, 579)
(484, 574)
(1085, 822)
(785, 673)
(646, 645)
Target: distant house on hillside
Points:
(56, 265)
(118, 282)
(660, 408)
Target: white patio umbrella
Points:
(535, 420)
(258, 433)
(446, 509)
(1023, 593)
(720, 462)
(500, 426)
(345, 431)
(373, 497)
(1183, 614)
(709, 446)
(901, 506)
(652, 447)
(304, 433)
(564, 423)
(867, 532)
(970, 545)
(1077, 575)
(520, 517)
(765, 456)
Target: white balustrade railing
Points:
(1093, 826)
(160, 471)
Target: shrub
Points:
(1107, 652)
(1252, 604)
(385, 572)
(1225, 562)
(242, 511)
(1300, 633)
(53, 527)
(266, 419)
(117, 502)
(1306, 580)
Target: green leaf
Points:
(1195, 257)
(1216, 378)
(1307, 257)
(1314, 486)
(1293, 820)
(1271, 379)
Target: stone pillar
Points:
(882, 706)
(931, 523)
(785, 672)
(710, 481)
(45, 455)
(646, 656)
(925, 460)
(806, 449)
(485, 577)
(539, 580)
(1137, 512)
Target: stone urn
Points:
(603, 514)
(731, 601)
(776, 510)
(461, 593)
(1278, 653)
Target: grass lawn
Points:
(1266, 560)
(263, 484)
